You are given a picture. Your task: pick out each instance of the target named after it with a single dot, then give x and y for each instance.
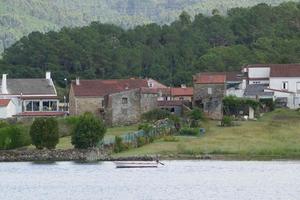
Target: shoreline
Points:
(95, 155)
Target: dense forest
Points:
(170, 53)
(20, 17)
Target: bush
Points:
(141, 141)
(156, 114)
(119, 146)
(44, 133)
(145, 127)
(12, 137)
(88, 131)
(227, 121)
(196, 114)
(170, 138)
(3, 124)
(189, 131)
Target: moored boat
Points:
(136, 164)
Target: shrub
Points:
(170, 138)
(88, 131)
(196, 114)
(44, 133)
(156, 114)
(227, 121)
(12, 137)
(119, 146)
(176, 120)
(145, 127)
(141, 141)
(189, 131)
(3, 124)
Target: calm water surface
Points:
(176, 180)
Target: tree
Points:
(88, 131)
(44, 133)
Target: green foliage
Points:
(3, 124)
(189, 131)
(227, 121)
(170, 53)
(155, 114)
(88, 131)
(232, 105)
(141, 141)
(145, 127)
(170, 138)
(119, 146)
(44, 133)
(12, 137)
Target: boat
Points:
(137, 164)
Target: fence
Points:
(160, 128)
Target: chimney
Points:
(77, 81)
(4, 84)
(48, 75)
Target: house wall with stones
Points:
(209, 98)
(80, 105)
(126, 107)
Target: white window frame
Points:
(285, 85)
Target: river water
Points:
(213, 180)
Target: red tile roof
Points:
(104, 87)
(217, 77)
(4, 102)
(204, 78)
(281, 70)
(182, 91)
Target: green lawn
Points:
(276, 134)
(65, 142)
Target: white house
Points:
(281, 82)
(28, 97)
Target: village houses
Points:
(262, 82)
(28, 97)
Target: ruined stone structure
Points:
(209, 91)
(126, 107)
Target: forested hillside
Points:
(170, 53)
(20, 17)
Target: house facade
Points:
(209, 91)
(279, 82)
(126, 107)
(28, 97)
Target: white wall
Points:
(8, 111)
(261, 72)
(276, 83)
(259, 82)
(234, 92)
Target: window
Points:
(28, 105)
(284, 85)
(32, 106)
(49, 105)
(209, 90)
(124, 100)
(150, 84)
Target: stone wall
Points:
(53, 155)
(119, 113)
(80, 105)
(209, 97)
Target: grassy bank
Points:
(65, 142)
(275, 135)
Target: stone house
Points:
(209, 91)
(182, 93)
(28, 97)
(88, 95)
(126, 107)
